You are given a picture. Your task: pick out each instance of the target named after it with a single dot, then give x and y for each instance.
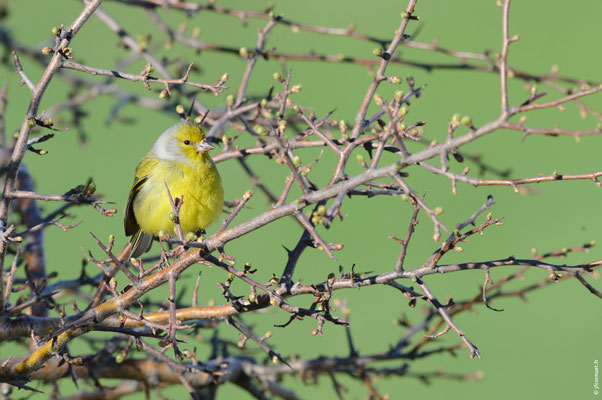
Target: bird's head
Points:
(185, 142)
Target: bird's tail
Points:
(141, 243)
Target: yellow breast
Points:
(201, 186)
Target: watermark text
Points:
(596, 379)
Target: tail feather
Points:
(141, 243)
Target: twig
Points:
(245, 197)
(504, 57)
(145, 78)
(19, 70)
(474, 351)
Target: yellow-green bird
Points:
(179, 159)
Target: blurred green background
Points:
(543, 347)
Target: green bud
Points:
(405, 197)
(149, 69)
(395, 80)
(54, 30)
(399, 95)
(360, 159)
(31, 122)
(230, 100)
(296, 161)
(405, 15)
(438, 210)
(163, 94)
(278, 76)
(92, 188)
(263, 103)
(244, 53)
(456, 118)
(260, 130)
(377, 51)
(466, 120)
(119, 358)
(379, 100)
(47, 50)
(296, 88)
(321, 210)
(111, 238)
(281, 125)
(403, 110)
(180, 109)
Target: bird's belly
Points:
(203, 200)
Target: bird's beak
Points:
(204, 146)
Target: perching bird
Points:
(180, 159)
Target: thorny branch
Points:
(251, 126)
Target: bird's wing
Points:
(143, 171)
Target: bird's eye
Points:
(186, 142)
